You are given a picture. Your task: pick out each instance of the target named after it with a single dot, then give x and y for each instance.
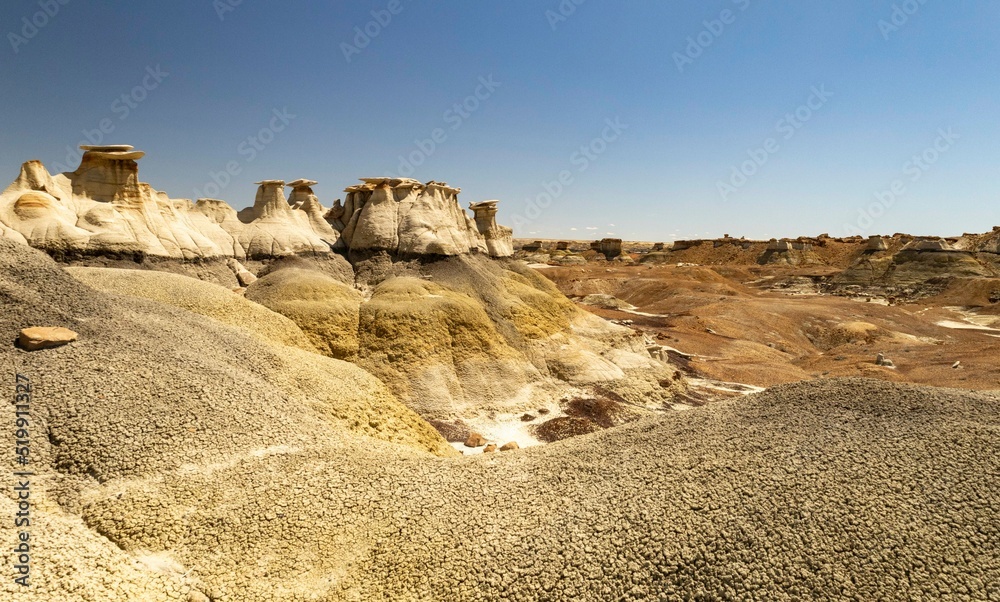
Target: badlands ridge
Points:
(102, 207)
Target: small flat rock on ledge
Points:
(45, 337)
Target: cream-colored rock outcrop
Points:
(103, 208)
(403, 217)
(499, 239)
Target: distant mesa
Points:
(103, 208)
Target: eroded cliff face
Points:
(914, 267)
(406, 218)
(103, 208)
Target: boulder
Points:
(883, 361)
(492, 447)
(475, 440)
(45, 337)
(509, 446)
(243, 275)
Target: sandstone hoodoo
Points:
(499, 239)
(610, 247)
(102, 208)
(405, 218)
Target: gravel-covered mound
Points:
(324, 307)
(197, 296)
(167, 470)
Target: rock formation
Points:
(499, 239)
(922, 267)
(876, 243)
(610, 247)
(405, 218)
(102, 208)
(927, 244)
(464, 336)
(779, 245)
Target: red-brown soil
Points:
(769, 324)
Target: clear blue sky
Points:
(560, 81)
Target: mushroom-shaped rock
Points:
(269, 202)
(928, 244)
(499, 239)
(108, 173)
(304, 199)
